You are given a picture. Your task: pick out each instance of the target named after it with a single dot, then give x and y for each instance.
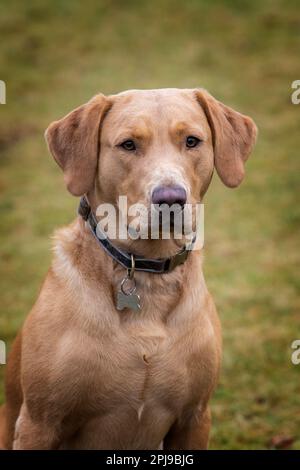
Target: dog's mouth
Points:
(170, 222)
(166, 221)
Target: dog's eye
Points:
(192, 141)
(128, 145)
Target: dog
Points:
(81, 373)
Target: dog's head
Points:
(154, 146)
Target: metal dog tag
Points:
(131, 301)
(128, 299)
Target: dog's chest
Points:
(144, 374)
(142, 368)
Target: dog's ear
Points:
(234, 136)
(74, 143)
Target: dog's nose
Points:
(169, 195)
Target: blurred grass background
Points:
(54, 55)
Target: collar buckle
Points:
(178, 259)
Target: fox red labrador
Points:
(97, 365)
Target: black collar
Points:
(158, 266)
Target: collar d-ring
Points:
(130, 271)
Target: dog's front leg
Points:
(193, 434)
(33, 434)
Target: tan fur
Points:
(85, 375)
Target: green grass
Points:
(54, 55)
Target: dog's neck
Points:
(77, 247)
